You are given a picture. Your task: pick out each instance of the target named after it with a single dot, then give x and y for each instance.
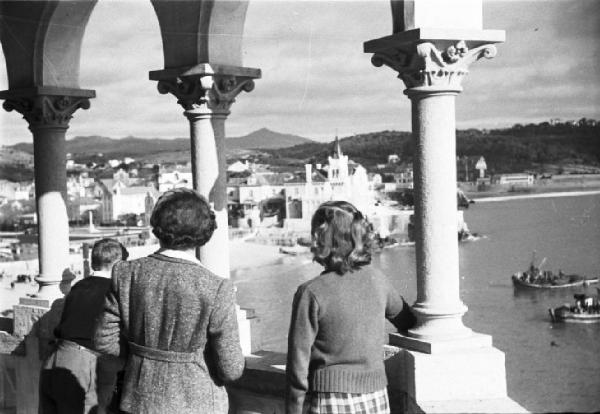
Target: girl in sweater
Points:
(337, 329)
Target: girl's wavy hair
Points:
(182, 219)
(341, 237)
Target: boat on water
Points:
(551, 280)
(585, 310)
(536, 278)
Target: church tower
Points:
(338, 164)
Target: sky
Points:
(316, 80)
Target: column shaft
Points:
(51, 197)
(209, 170)
(438, 307)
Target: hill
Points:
(15, 165)
(14, 156)
(265, 139)
(558, 147)
(536, 147)
(83, 147)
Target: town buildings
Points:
(258, 193)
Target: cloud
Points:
(316, 78)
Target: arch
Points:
(42, 41)
(205, 31)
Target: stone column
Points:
(207, 99)
(432, 72)
(441, 366)
(206, 92)
(439, 308)
(48, 113)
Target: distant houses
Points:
(257, 194)
(16, 191)
(119, 198)
(174, 177)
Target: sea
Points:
(551, 367)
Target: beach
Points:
(242, 255)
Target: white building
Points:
(16, 191)
(238, 167)
(346, 180)
(24, 191)
(515, 179)
(80, 185)
(179, 177)
(248, 195)
(119, 199)
(393, 159)
(133, 200)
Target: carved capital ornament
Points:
(211, 93)
(44, 111)
(426, 67)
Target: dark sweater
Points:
(337, 333)
(83, 305)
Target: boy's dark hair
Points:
(341, 237)
(106, 252)
(182, 219)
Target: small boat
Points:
(564, 314)
(552, 281)
(585, 310)
(536, 278)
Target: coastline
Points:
(242, 255)
(552, 194)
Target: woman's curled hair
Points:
(341, 237)
(182, 219)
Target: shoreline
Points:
(242, 255)
(536, 195)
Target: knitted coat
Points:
(337, 333)
(160, 303)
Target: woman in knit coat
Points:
(337, 331)
(173, 319)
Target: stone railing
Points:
(24, 344)
(260, 390)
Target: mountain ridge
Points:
(263, 138)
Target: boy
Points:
(74, 378)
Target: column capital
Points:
(212, 94)
(429, 68)
(206, 88)
(433, 60)
(46, 107)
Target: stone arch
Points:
(196, 32)
(42, 41)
